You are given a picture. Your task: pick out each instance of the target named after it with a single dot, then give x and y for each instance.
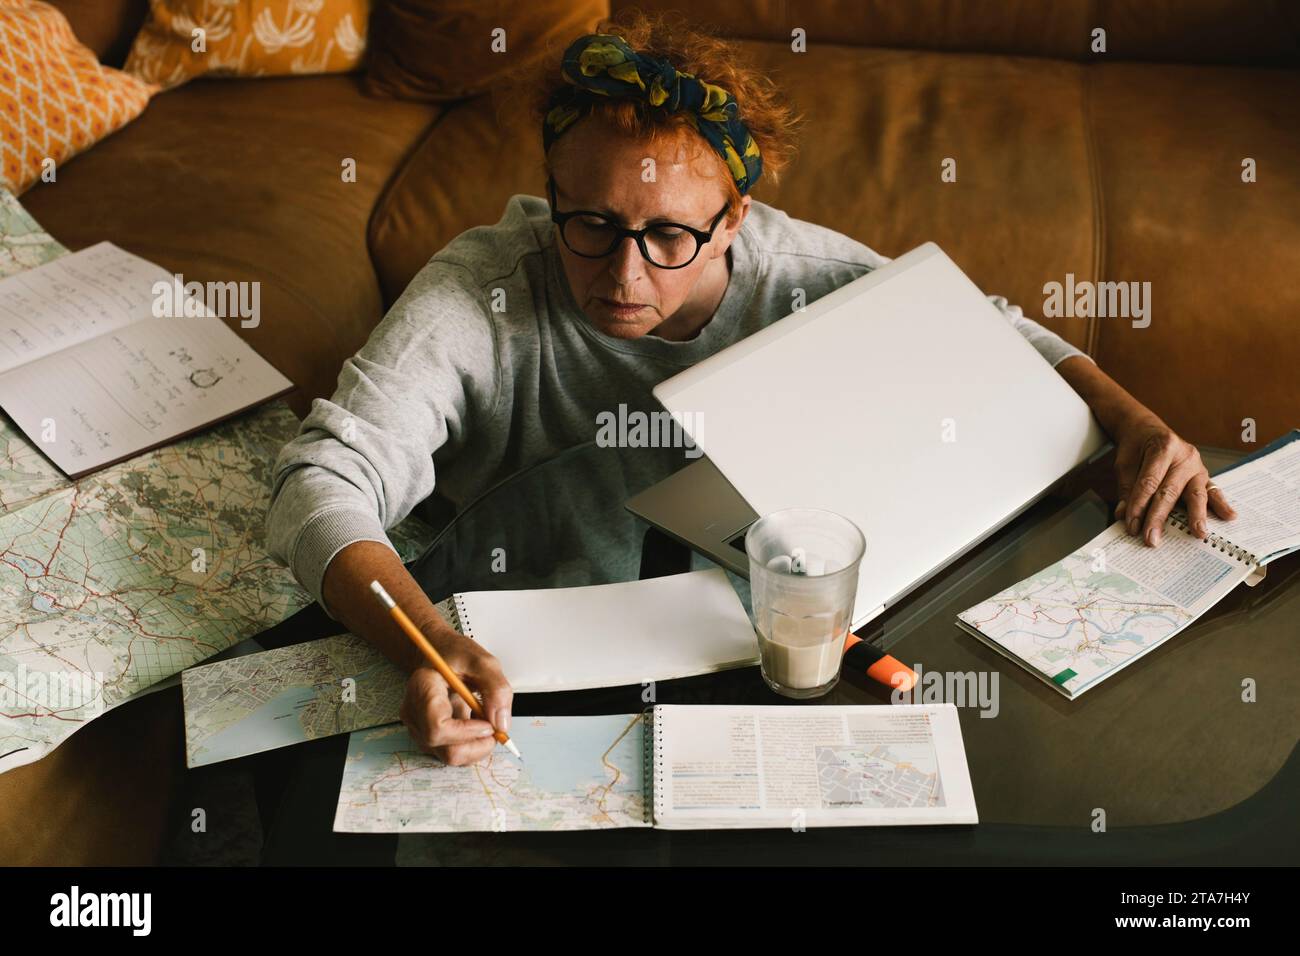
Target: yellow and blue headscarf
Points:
(602, 64)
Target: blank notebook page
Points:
(608, 635)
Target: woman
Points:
(650, 256)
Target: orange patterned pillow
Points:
(55, 98)
(183, 39)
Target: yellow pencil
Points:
(435, 660)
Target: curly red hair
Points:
(690, 49)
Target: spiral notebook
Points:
(685, 767)
(1077, 622)
(607, 635)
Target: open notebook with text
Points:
(101, 361)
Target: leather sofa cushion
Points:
(1208, 31)
(106, 26)
(435, 196)
(102, 797)
(241, 180)
(1221, 255)
(443, 50)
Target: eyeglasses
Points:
(592, 235)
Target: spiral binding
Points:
(651, 754)
(1180, 520)
(462, 617)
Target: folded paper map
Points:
(115, 582)
(285, 696)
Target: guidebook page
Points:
(719, 766)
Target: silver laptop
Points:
(903, 400)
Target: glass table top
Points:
(1167, 740)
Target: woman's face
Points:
(603, 172)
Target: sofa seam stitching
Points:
(1093, 337)
(390, 187)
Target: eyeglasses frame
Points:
(701, 237)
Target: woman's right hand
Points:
(439, 721)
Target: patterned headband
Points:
(602, 64)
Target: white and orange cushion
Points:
(183, 39)
(55, 98)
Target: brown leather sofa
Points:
(1116, 166)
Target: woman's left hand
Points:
(1155, 468)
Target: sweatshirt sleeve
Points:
(1050, 345)
(363, 459)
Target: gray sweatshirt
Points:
(486, 365)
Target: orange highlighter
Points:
(878, 665)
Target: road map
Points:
(1080, 619)
(289, 695)
(580, 773)
(24, 472)
(132, 574)
(270, 699)
(113, 583)
(889, 775)
(23, 243)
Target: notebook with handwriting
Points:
(93, 376)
